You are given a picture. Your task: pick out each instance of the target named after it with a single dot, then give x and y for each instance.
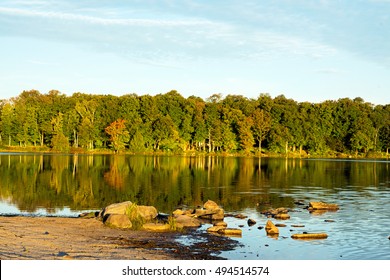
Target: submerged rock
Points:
(282, 216)
(280, 225)
(240, 216)
(230, 231)
(318, 205)
(215, 228)
(309, 236)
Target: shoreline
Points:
(290, 155)
(61, 238)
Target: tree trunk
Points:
(259, 139)
(209, 141)
(300, 150)
(42, 137)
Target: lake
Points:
(67, 185)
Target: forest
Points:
(169, 123)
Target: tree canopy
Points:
(171, 123)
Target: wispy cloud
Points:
(105, 21)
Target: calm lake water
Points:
(67, 185)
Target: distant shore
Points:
(265, 154)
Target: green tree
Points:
(6, 123)
(59, 142)
(261, 125)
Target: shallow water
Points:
(66, 185)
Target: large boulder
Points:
(183, 221)
(116, 208)
(148, 213)
(211, 214)
(117, 221)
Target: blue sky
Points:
(307, 50)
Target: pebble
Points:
(329, 221)
(260, 227)
(251, 222)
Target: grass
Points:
(136, 219)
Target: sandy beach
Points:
(56, 238)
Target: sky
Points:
(312, 50)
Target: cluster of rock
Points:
(282, 213)
(209, 213)
(278, 213)
(126, 214)
(118, 216)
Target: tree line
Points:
(171, 123)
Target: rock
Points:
(215, 228)
(280, 225)
(240, 216)
(88, 215)
(220, 215)
(275, 212)
(117, 221)
(271, 229)
(298, 226)
(178, 212)
(260, 227)
(148, 213)
(322, 206)
(220, 224)
(116, 208)
(186, 221)
(230, 231)
(251, 222)
(282, 216)
(329, 221)
(156, 227)
(309, 236)
(210, 205)
(299, 202)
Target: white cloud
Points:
(106, 21)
